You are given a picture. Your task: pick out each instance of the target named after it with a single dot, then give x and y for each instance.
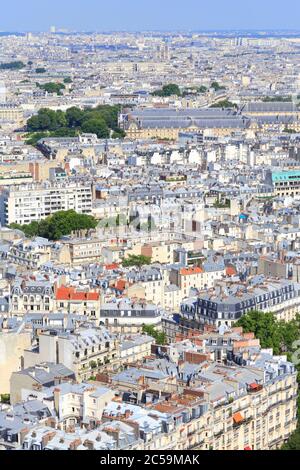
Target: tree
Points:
(136, 260)
(119, 134)
(47, 119)
(16, 65)
(52, 87)
(5, 398)
(216, 86)
(221, 205)
(294, 442)
(265, 328)
(289, 131)
(67, 80)
(57, 225)
(280, 336)
(74, 116)
(159, 336)
(96, 126)
(40, 70)
(101, 121)
(168, 90)
(224, 104)
(282, 99)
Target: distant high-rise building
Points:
(238, 41)
(53, 29)
(163, 52)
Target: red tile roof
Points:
(69, 293)
(120, 284)
(190, 271)
(230, 271)
(112, 266)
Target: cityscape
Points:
(149, 236)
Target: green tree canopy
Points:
(96, 126)
(216, 86)
(168, 90)
(224, 104)
(280, 336)
(52, 87)
(15, 65)
(159, 336)
(136, 260)
(100, 120)
(57, 225)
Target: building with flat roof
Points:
(286, 183)
(27, 203)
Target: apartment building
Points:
(44, 374)
(160, 252)
(197, 277)
(135, 347)
(79, 302)
(114, 436)
(11, 113)
(82, 251)
(15, 177)
(12, 344)
(30, 253)
(27, 203)
(129, 316)
(225, 305)
(29, 296)
(147, 284)
(282, 265)
(252, 408)
(86, 351)
(76, 402)
(286, 183)
(205, 406)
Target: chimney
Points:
(48, 437)
(56, 395)
(74, 444)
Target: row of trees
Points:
(102, 121)
(173, 89)
(281, 336)
(16, 65)
(281, 99)
(40, 70)
(57, 225)
(224, 104)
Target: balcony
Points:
(219, 433)
(254, 388)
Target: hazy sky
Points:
(102, 15)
